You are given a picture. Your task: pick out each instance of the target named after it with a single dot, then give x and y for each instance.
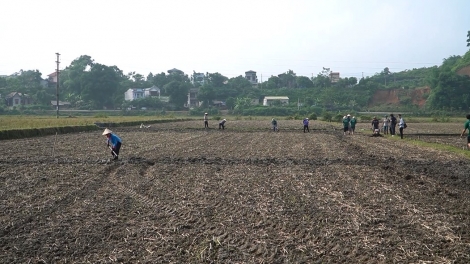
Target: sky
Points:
(354, 37)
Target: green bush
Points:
(327, 116)
(338, 118)
(100, 115)
(313, 116)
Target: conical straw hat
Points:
(107, 131)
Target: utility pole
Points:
(57, 83)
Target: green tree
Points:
(242, 103)
(3, 82)
(273, 82)
(304, 82)
(240, 85)
(288, 79)
(230, 102)
(206, 94)
(468, 38)
(178, 92)
(216, 79)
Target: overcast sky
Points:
(353, 37)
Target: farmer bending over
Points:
(222, 124)
(114, 142)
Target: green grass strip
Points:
(437, 146)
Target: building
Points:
(192, 98)
(269, 100)
(175, 71)
(17, 99)
(198, 78)
(251, 76)
(138, 93)
(61, 104)
(52, 77)
(133, 94)
(334, 77)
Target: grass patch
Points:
(437, 146)
(30, 122)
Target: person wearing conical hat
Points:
(274, 124)
(222, 124)
(114, 142)
(206, 121)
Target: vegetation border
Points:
(46, 131)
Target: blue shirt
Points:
(113, 139)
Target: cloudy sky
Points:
(353, 37)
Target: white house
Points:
(138, 93)
(268, 100)
(16, 98)
(133, 93)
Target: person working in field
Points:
(353, 125)
(305, 122)
(346, 125)
(113, 142)
(375, 125)
(206, 121)
(274, 124)
(386, 122)
(222, 124)
(401, 125)
(465, 127)
(393, 124)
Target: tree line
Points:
(87, 84)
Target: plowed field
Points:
(182, 194)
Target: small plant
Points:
(100, 115)
(313, 116)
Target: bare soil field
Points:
(182, 194)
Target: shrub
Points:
(313, 116)
(100, 115)
(338, 118)
(327, 116)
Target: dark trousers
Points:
(116, 150)
(206, 124)
(392, 129)
(401, 132)
(221, 126)
(306, 128)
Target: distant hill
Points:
(416, 96)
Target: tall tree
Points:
(288, 79)
(216, 79)
(178, 92)
(468, 38)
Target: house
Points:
(334, 77)
(152, 91)
(61, 104)
(192, 98)
(198, 77)
(218, 103)
(251, 76)
(16, 99)
(138, 93)
(52, 77)
(269, 100)
(175, 71)
(134, 93)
